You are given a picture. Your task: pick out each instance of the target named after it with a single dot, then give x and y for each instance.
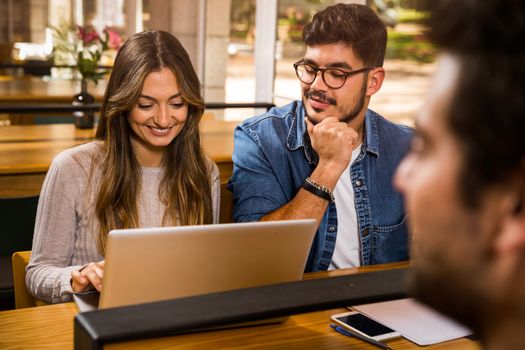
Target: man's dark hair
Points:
(354, 25)
(487, 111)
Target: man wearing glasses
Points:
(328, 157)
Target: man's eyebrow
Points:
(340, 65)
(330, 65)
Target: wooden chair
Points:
(23, 298)
(226, 212)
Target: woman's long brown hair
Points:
(185, 187)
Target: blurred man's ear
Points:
(512, 237)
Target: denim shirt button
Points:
(331, 228)
(365, 232)
(358, 183)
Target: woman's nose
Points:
(163, 117)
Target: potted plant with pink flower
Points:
(90, 47)
(84, 47)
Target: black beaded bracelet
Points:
(319, 190)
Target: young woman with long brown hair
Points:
(146, 168)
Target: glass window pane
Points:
(292, 16)
(240, 69)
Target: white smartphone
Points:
(359, 323)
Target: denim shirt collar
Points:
(371, 134)
(298, 136)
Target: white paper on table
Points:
(415, 321)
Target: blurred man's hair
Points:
(487, 111)
(356, 26)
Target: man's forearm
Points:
(306, 205)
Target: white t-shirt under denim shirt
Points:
(347, 247)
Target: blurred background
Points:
(243, 50)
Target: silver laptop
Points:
(153, 264)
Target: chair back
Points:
(23, 298)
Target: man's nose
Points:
(318, 83)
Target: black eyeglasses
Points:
(334, 78)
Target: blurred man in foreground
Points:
(464, 179)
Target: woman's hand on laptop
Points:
(88, 277)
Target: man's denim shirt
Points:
(272, 157)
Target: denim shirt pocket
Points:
(389, 243)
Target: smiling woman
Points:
(145, 169)
(158, 117)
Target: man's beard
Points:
(321, 96)
(452, 294)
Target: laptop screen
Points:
(152, 264)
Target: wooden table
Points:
(26, 151)
(51, 327)
(37, 90)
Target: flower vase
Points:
(84, 119)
